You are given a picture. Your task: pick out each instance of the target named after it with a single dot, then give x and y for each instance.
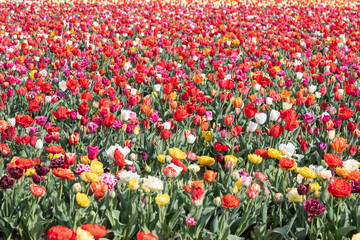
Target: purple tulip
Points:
(337, 123)
(303, 189)
(314, 208)
(355, 187)
(92, 152)
(308, 117)
(322, 146)
(6, 182)
(73, 115)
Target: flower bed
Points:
(179, 120)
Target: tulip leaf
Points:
(343, 231)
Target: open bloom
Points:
(190, 221)
(339, 144)
(162, 199)
(314, 208)
(230, 201)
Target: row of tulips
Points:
(179, 120)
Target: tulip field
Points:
(181, 120)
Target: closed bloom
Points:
(190, 139)
(162, 199)
(231, 158)
(252, 126)
(274, 115)
(210, 175)
(260, 118)
(161, 158)
(133, 184)
(207, 135)
(82, 199)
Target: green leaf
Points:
(280, 231)
(343, 231)
(214, 224)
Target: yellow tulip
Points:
(82, 199)
(162, 199)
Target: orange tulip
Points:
(210, 175)
(237, 102)
(339, 144)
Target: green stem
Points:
(61, 188)
(6, 204)
(75, 219)
(247, 206)
(252, 167)
(34, 207)
(338, 212)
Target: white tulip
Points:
(39, 144)
(260, 118)
(48, 99)
(274, 115)
(12, 122)
(167, 125)
(191, 139)
(125, 114)
(252, 126)
(299, 75)
(269, 101)
(351, 165)
(127, 66)
(287, 149)
(312, 88)
(331, 134)
(62, 85)
(157, 88)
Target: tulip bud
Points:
(168, 159)
(278, 198)
(331, 134)
(133, 157)
(147, 169)
(77, 187)
(353, 149)
(217, 201)
(235, 176)
(197, 203)
(229, 165)
(112, 194)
